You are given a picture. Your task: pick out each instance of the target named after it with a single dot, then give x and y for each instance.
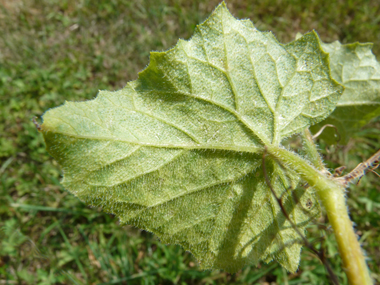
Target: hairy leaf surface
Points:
(356, 68)
(178, 152)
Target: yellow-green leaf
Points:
(356, 68)
(178, 152)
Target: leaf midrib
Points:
(356, 103)
(227, 147)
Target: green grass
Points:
(52, 51)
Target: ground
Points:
(52, 51)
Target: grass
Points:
(52, 51)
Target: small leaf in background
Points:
(178, 152)
(356, 68)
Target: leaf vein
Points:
(142, 173)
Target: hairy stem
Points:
(361, 169)
(311, 150)
(332, 196)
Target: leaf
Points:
(178, 152)
(355, 67)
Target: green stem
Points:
(311, 150)
(332, 196)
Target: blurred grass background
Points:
(57, 50)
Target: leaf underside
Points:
(356, 68)
(178, 152)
